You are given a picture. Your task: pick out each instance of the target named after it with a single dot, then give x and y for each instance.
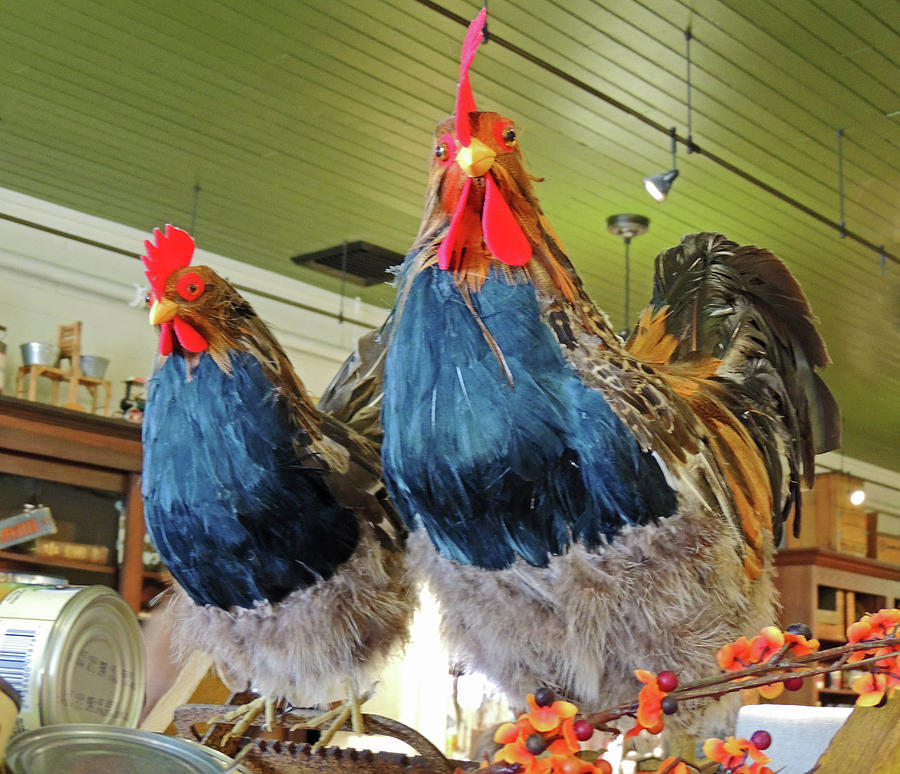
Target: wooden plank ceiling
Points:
(306, 123)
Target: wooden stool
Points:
(69, 349)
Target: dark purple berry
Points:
(761, 739)
(583, 730)
(793, 683)
(669, 705)
(535, 744)
(667, 681)
(544, 697)
(800, 628)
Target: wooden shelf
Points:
(82, 450)
(838, 692)
(835, 560)
(856, 584)
(54, 561)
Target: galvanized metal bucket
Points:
(39, 353)
(94, 365)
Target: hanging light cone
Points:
(658, 185)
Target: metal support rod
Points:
(627, 280)
(343, 280)
(687, 45)
(194, 211)
(840, 152)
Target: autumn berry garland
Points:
(546, 739)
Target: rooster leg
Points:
(248, 713)
(349, 709)
(343, 716)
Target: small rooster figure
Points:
(582, 508)
(271, 516)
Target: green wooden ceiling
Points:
(308, 123)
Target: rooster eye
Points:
(445, 149)
(148, 300)
(505, 134)
(190, 286)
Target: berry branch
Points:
(546, 739)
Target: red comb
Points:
(465, 102)
(173, 250)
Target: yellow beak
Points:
(162, 311)
(475, 159)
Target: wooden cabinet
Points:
(833, 572)
(828, 591)
(94, 457)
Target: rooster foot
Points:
(248, 713)
(349, 709)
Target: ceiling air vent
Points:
(364, 263)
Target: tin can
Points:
(74, 654)
(85, 748)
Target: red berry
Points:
(761, 739)
(667, 681)
(583, 730)
(544, 696)
(793, 683)
(571, 766)
(604, 767)
(535, 744)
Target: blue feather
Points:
(496, 472)
(235, 517)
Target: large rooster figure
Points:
(582, 508)
(271, 516)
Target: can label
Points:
(22, 645)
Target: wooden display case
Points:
(829, 590)
(833, 572)
(93, 456)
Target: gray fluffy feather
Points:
(660, 596)
(306, 647)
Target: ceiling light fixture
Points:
(658, 185)
(628, 227)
